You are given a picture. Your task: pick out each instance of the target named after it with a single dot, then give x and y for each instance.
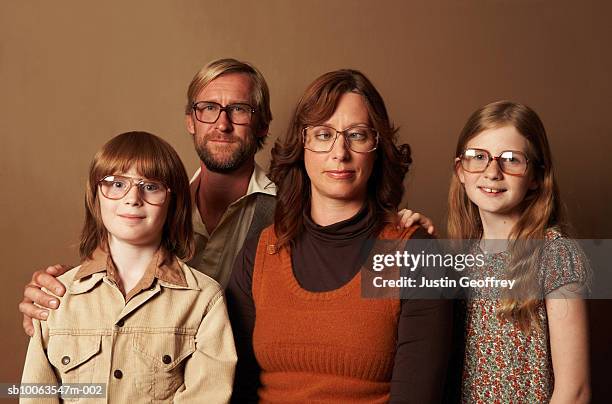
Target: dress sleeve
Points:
(423, 347)
(241, 309)
(564, 267)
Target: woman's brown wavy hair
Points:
(287, 170)
(153, 158)
(541, 208)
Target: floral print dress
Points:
(503, 364)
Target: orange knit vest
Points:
(324, 347)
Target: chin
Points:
(350, 195)
(133, 239)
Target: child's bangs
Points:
(145, 154)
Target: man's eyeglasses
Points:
(209, 112)
(117, 186)
(358, 138)
(510, 162)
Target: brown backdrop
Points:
(74, 73)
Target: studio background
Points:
(73, 74)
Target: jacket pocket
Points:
(162, 356)
(73, 356)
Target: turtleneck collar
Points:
(360, 225)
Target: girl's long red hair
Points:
(541, 208)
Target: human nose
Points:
(133, 195)
(493, 170)
(340, 148)
(224, 123)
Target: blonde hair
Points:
(260, 95)
(540, 210)
(153, 158)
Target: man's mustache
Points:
(223, 138)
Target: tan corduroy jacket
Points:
(168, 340)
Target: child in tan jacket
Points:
(136, 324)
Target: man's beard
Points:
(221, 162)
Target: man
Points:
(228, 115)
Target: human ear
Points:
(261, 131)
(190, 124)
(459, 170)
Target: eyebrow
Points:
(142, 177)
(347, 126)
(229, 103)
(505, 150)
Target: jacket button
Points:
(65, 360)
(120, 323)
(166, 359)
(118, 374)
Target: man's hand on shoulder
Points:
(36, 302)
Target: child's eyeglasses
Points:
(117, 186)
(510, 162)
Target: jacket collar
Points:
(163, 266)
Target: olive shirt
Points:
(169, 339)
(215, 251)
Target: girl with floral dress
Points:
(528, 343)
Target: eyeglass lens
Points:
(209, 112)
(116, 187)
(360, 139)
(510, 162)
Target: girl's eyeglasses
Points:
(510, 162)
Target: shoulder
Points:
(563, 261)
(390, 231)
(209, 288)
(556, 244)
(68, 277)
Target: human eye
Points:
(513, 158)
(151, 186)
(479, 155)
(239, 108)
(116, 182)
(475, 154)
(357, 134)
(207, 106)
(323, 134)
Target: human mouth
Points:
(340, 174)
(492, 191)
(131, 217)
(221, 140)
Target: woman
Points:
(303, 331)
